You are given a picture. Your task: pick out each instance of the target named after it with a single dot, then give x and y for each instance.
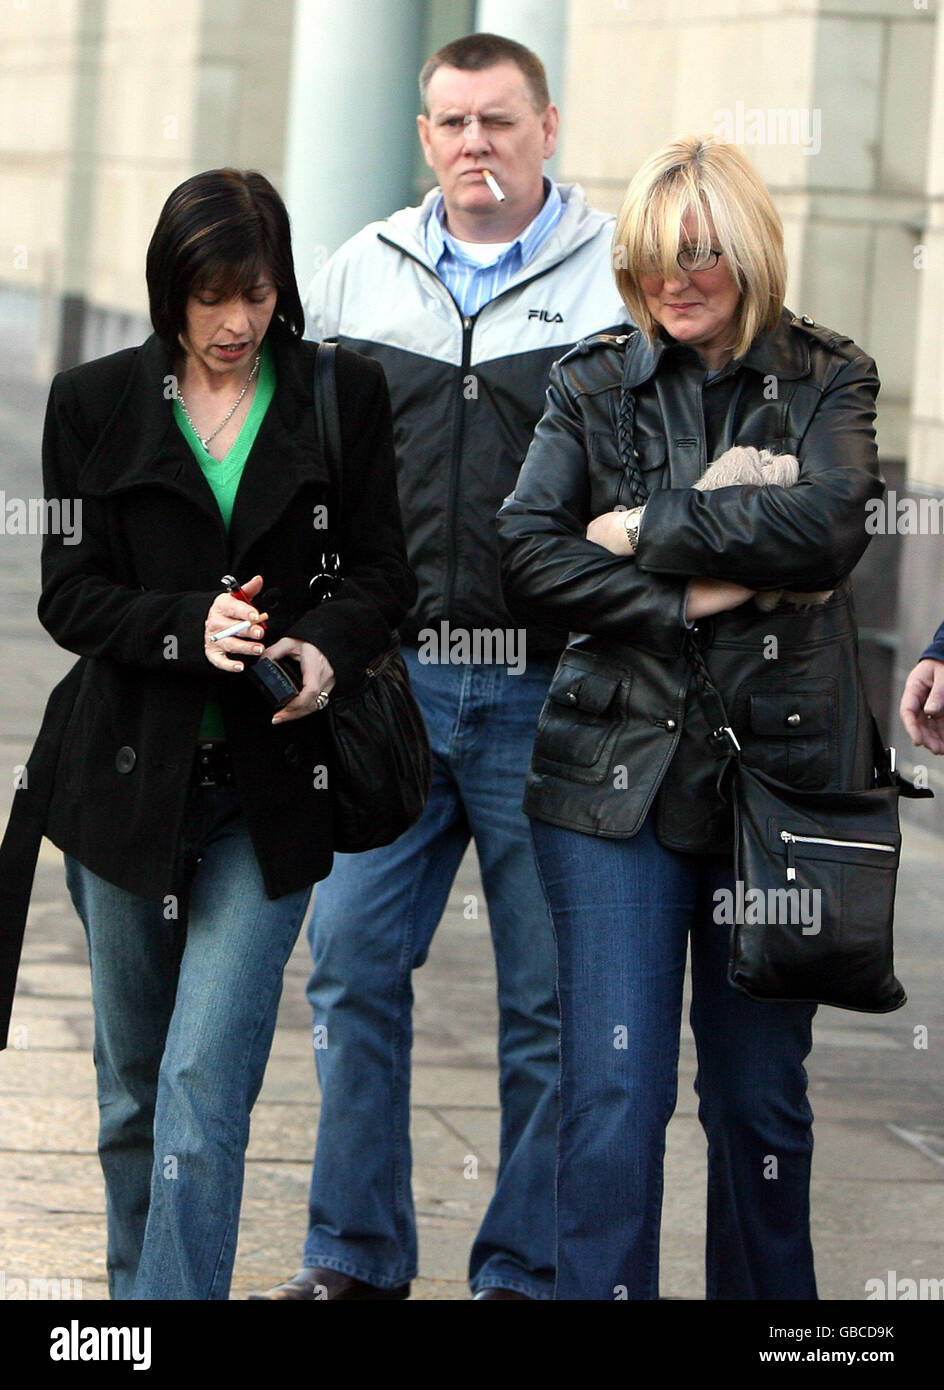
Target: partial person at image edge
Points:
(922, 699)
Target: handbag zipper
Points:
(789, 839)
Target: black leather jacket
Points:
(623, 725)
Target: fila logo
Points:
(545, 316)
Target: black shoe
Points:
(312, 1284)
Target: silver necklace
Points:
(229, 414)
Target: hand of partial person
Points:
(922, 705)
(317, 677)
(226, 610)
(709, 596)
(609, 530)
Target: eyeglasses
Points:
(492, 125)
(690, 258)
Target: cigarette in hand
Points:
(494, 185)
(237, 628)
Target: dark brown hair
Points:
(219, 230)
(475, 52)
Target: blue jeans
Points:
(185, 997)
(372, 924)
(623, 911)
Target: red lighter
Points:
(279, 681)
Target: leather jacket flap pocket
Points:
(791, 733)
(650, 451)
(588, 691)
(797, 715)
(581, 719)
(602, 449)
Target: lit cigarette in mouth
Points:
(494, 185)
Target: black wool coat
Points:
(110, 774)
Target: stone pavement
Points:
(878, 1187)
(878, 1190)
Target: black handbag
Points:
(382, 766)
(815, 875)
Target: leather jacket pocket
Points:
(651, 450)
(791, 734)
(607, 472)
(602, 449)
(582, 715)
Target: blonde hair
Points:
(713, 180)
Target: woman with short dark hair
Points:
(195, 820)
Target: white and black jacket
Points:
(466, 392)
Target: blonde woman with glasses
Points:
(699, 482)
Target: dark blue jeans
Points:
(185, 998)
(623, 912)
(371, 926)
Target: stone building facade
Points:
(108, 104)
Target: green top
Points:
(224, 476)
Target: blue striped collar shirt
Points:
(471, 284)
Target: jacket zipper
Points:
(468, 325)
(789, 840)
(452, 501)
(465, 366)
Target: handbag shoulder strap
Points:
(328, 417)
(727, 746)
(724, 740)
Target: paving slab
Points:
(876, 1082)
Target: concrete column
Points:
(926, 452)
(352, 107)
(540, 25)
(840, 97)
(82, 183)
(921, 583)
(445, 20)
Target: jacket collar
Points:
(782, 353)
(577, 224)
(141, 445)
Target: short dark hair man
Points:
(466, 301)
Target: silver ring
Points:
(321, 700)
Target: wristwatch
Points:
(631, 520)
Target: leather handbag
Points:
(815, 876)
(382, 766)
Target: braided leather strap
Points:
(624, 441)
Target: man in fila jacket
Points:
(466, 301)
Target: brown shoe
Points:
(314, 1283)
(501, 1293)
